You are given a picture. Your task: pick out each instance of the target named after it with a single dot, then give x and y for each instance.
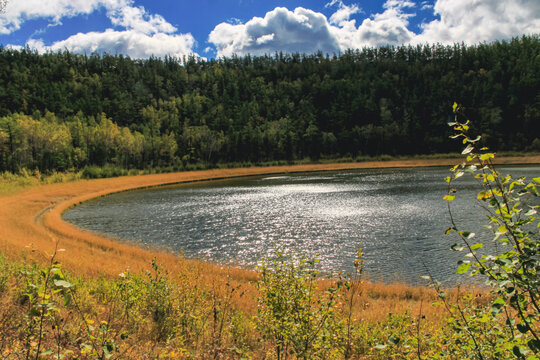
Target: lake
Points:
(397, 216)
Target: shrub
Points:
(509, 328)
(297, 317)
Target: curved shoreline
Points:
(33, 217)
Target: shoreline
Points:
(32, 217)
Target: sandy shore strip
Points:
(31, 219)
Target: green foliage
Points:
(45, 314)
(299, 318)
(157, 292)
(509, 328)
(44, 292)
(96, 172)
(65, 111)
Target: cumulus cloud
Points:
(136, 18)
(17, 12)
(478, 21)
(304, 30)
(130, 42)
(141, 35)
(301, 30)
(138, 33)
(388, 27)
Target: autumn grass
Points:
(12, 183)
(156, 313)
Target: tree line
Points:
(61, 111)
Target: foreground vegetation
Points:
(62, 111)
(46, 313)
(288, 311)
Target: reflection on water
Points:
(397, 216)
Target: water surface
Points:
(397, 216)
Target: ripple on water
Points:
(397, 216)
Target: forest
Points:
(63, 111)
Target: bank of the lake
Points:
(33, 216)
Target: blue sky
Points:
(214, 28)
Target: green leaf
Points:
(498, 303)
(67, 299)
(482, 195)
(463, 268)
(477, 246)
(487, 156)
(537, 180)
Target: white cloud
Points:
(388, 27)
(301, 30)
(136, 18)
(14, 47)
(344, 12)
(265, 38)
(304, 30)
(426, 5)
(398, 4)
(478, 21)
(234, 21)
(138, 33)
(141, 34)
(130, 42)
(17, 12)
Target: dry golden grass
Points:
(31, 218)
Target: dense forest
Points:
(62, 111)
